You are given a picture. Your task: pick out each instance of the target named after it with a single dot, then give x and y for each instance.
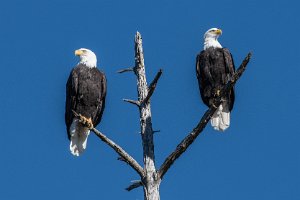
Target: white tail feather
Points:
(79, 135)
(220, 120)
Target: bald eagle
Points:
(214, 68)
(85, 94)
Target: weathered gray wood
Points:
(125, 156)
(130, 160)
(152, 86)
(137, 103)
(134, 185)
(125, 70)
(150, 181)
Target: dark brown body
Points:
(85, 94)
(214, 68)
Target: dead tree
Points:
(150, 175)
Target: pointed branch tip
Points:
(122, 159)
(125, 70)
(137, 103)
(134, 185)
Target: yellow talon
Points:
(89, 123)
(86, 121)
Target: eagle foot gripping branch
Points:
(84, 120)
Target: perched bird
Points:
(85, 94)
(214, 68)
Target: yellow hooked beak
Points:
(218, 31)
(78, 52)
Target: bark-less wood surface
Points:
(150, 180)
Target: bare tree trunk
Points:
(150, 180)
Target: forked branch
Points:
(134, 185)
(152, 86)
(189, 139)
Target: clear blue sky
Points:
(258, 157)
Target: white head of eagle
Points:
(87, 57)
(211, 38)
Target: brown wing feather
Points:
(102, 99)
(204, 76)
(231, 70)
(71, 92)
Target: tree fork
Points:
(150, 177)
